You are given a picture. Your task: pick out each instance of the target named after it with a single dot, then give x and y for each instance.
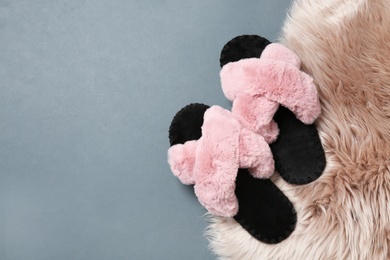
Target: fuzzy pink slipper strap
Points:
(255, 154)
(181, 158)
(217, 162)
(256, 114)
(278, 81)
(276, 51)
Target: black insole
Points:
(242, 47)
(264, 211)
(187, 124)
(298, 152)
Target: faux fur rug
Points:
(345, 46)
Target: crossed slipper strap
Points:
(212, 161)
(256, 113)
(263, 210)
(275, 76)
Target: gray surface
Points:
(88, 89)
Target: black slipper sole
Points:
(264, 211)
(298, 152)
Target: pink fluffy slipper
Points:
(298, 152)
(212, 161)
(257, 86)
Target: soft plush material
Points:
(264, 83)
(344, 214)
(212, 161)
(298, 153)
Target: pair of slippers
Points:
(229, 155)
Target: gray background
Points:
(88, 90)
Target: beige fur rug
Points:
(345, 45)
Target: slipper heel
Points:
(298, 153)
(264, 211)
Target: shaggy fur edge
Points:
(344, 214)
